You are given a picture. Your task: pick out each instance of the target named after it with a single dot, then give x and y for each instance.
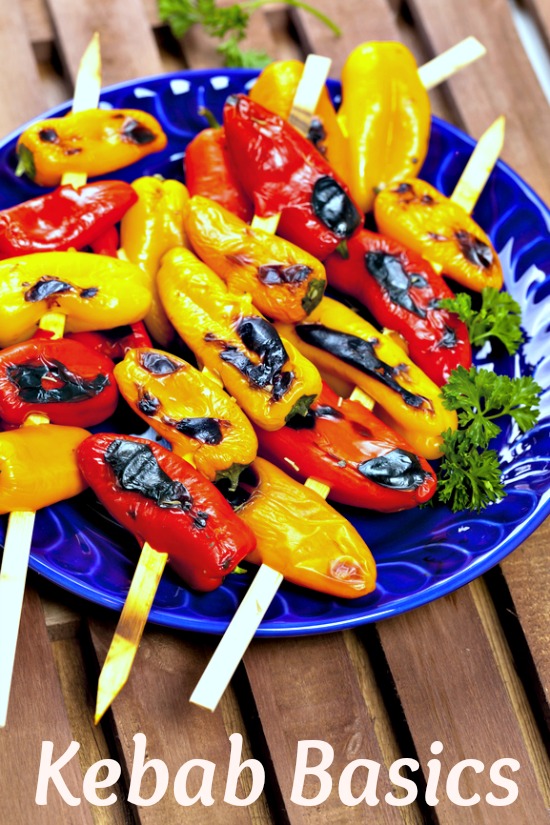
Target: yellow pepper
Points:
(38, 466)
(419, 216)
(95, 142)
(304, 538)
(266, 375)
(275, 89)
(285, 282)
(150, 228)
(385, 113)
(190, 410)
(342, 343)
(93, 291)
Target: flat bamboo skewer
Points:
(449, 62)
(17, 546)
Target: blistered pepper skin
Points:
(304, 538)
(148, 230)
(386, 113)
(29, 478)
(116, 342)
(92, 291)
(420, 217)
(162, 499)
(285, 282)
(62, 379)
(362, 460)
(190, 410)
(343, 344)
(95, 142)
(402, 291)
(265, 374)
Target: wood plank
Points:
(451, 690)
(298, 687)
(123, 57)
(37, 714)
(541, 12)
(20, 97)
(156, 702)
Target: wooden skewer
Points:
(17, 546)
(446, 64)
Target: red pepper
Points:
(209, 171)
(402, 291)
(344, 445)
(107, 243)
(283, 172)
(163, 500)
(64, 380)
(64, 218)
(114, 343)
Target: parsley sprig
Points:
(498, 317)
(227, 24)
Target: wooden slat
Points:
(20, 97)
(36, 714)
(541, 12)
(128, 47)
(451, 690)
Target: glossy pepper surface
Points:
(385, 112)
(301, 536)
(282, 172)
(210, 172)
(419, 216)
(342, 343)
(92, 291)
(95, 142)
(62, 379)
(275, 89)
(38, 466)
(360, 458)
(190, 410)
(402, 292)
(151, 227)
(114, 343)
(267, 375)
(285, 282)
(160, 498)
(64, 218)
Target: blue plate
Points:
(421, 554)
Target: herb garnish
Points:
(498, 317)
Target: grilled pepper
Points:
(402, 292)
(275, 89)
(190, 410)
(285, 282)
(267, 375)
(363, 461)
(96, 141)
(64, 218)
(337, 340)
(423, 219)
(114, 343)
(38, 466)
(152, 227)
(282, 172)
(301, 536)
(162, 499)
(64, 380)
(210, 172)
(92, 291)
(385, 112)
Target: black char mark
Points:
(158, 364)
(388, 271)
(47, 287)
(360, 354)
(205, 430)
(261, 337)
(307, 421)
(48, 135)
(474, 250)
(399, 470)
(333, 206)
(272, 274)
(448, 340)
(317, 135)
(148, 404)
(136, 132)
(137, 470)
(29, 377)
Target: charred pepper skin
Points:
(360, 458)
(402, 291)
(160, 498)
(282, 172)
(420, 217)
(62, 379)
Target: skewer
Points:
(17, 546)
(446, 64)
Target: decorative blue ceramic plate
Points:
(421, 554)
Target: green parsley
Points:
(499, 317)
(227, 24)
(468, 479)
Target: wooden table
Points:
(471, 670)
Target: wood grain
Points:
(20, 97)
